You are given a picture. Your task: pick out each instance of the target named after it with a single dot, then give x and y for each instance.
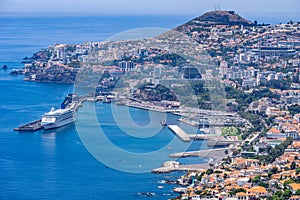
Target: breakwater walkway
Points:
(201, 153)
(180, 133)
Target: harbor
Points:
(73, 102)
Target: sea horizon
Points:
(261, 17)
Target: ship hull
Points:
(59, 124)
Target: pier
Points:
(180, 133)
(188, 137)
(213, 139)
(31, 126)
(146, 107)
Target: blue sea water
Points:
(55, 164)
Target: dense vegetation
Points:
(273, 153)
(229, 131)
(151, 92)
(279, 84)
(244, 99)
(294, 109)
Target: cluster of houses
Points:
(245, 178)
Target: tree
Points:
(264, 184)
(270, 174)
(293, 165)
(209, 171)
(287, 182)
(256, 179)
(287, 193)
(234, 191)
(294, 109)
(297, 192)
(274, 170)
(226, 151)
(255, 23)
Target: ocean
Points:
(55, 164)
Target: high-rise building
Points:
(223, 68)
(126, 66)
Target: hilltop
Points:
(218, 18)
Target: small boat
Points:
(106, 100)
(163, 123)
(14, 73)
(162, 181)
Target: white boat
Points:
(57, 118)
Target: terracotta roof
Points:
(279, 118)
(274, 131)
(295, 197)
(296, 144)
(295, 186)
(257, 189)
(241, 194)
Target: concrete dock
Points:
(31, 126)
(180, 133)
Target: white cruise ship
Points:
(57, 118)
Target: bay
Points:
(55, 164)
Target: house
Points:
(294, 187)
(274, 133)
(258, 191)
(271, 111)
(184, 197)
(195, 197)
(244, 163)
(241, 196)
(242, 181)
(294, 197)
